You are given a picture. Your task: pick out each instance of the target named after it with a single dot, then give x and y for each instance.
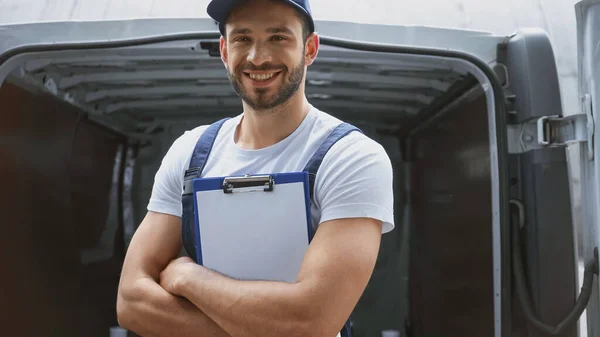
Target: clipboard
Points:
(253, 227)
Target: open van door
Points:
(588, 40)
(551, 256)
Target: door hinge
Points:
(553, 131)
(586, 103)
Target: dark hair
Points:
(306, 31)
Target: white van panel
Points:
(588, 40)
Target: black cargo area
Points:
(84, 132)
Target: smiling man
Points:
(266, 47)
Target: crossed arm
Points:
(143, 306)
(163, 296)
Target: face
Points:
(265, 53)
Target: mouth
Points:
(262, 79)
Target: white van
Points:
(485, 243)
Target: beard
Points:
(259, 98)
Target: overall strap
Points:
(314, 163)
(312, 167)
(204, 146)
(199, 157)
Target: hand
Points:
(175, 275)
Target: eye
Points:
(278, 38)
(242, 39)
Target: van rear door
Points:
(588, 40)
(549, 250)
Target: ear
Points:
(312, 49)
(223, 48)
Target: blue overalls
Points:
(198, 161)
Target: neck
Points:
(260, 129)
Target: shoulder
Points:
(353, 148)
(357, 145)
(183, 146)
(168, 180)
(356, 159)
(356, 180)
(177, 158)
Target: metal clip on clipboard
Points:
(248, 183)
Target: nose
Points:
(259, 54)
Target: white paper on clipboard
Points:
(253, 234)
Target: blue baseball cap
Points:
(219, 10)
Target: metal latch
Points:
(248, 183)
(553, 131)
(586, 102)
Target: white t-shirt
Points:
(355, 178)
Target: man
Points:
(266, 47)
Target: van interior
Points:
(85, 130)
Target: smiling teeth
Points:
(261, 77)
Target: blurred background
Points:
(557, 17)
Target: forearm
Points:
(150, 311)
(251, 308)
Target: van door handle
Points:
(591, 268)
